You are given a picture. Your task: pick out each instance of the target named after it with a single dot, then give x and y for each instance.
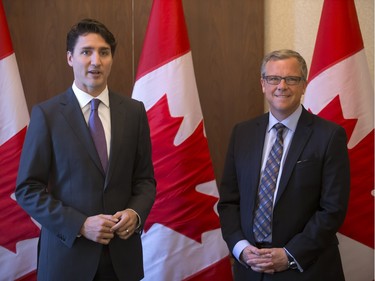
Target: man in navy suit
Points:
(91, 214)
(312, 185)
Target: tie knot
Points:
(279, 129)
(95, 104)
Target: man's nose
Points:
(282, 85)
(95, 59)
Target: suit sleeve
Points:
(32, 183)
(229, 202)
(319, 231)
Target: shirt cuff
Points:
(290, 255)
(238, 248)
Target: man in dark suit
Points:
(91, 212)
(311, 188)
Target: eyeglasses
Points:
(289, 80)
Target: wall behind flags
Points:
(228, 39)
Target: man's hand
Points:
(260, 260)
(279, 259)
(127, 224)
(265, 260)
(98, 228)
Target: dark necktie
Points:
(263, 213)
(97, 133)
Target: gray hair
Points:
(282, 55)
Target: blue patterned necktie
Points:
(97, 133)
(263, 213)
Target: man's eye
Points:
(273, 79)
(292, 79)
(105, 53)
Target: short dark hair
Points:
(87, 26)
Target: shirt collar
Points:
(290, 122)
(84, 98)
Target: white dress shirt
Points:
(84, 100)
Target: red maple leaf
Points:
(15, 224)
(178, 171)
(359, 221)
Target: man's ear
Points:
(262, 81)
(69, 57)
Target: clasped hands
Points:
(102, 228)
(265, 260)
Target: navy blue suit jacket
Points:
(311, 202)
(61, 182)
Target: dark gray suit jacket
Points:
(311, 202)
(61, 182)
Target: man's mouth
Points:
(95, 72)
(282, 96)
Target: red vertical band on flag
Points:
(339, 18)
(163, 32)
(6, 47)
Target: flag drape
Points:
(182, 238)
(340, 89)
(18, 233)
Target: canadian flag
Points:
(182, 238)
(18, 233)
(340, 89)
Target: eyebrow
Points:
(92, 48)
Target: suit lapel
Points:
(300, 138)
(118, 115)
(73, 115)
(253, 145)
(256, 154)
